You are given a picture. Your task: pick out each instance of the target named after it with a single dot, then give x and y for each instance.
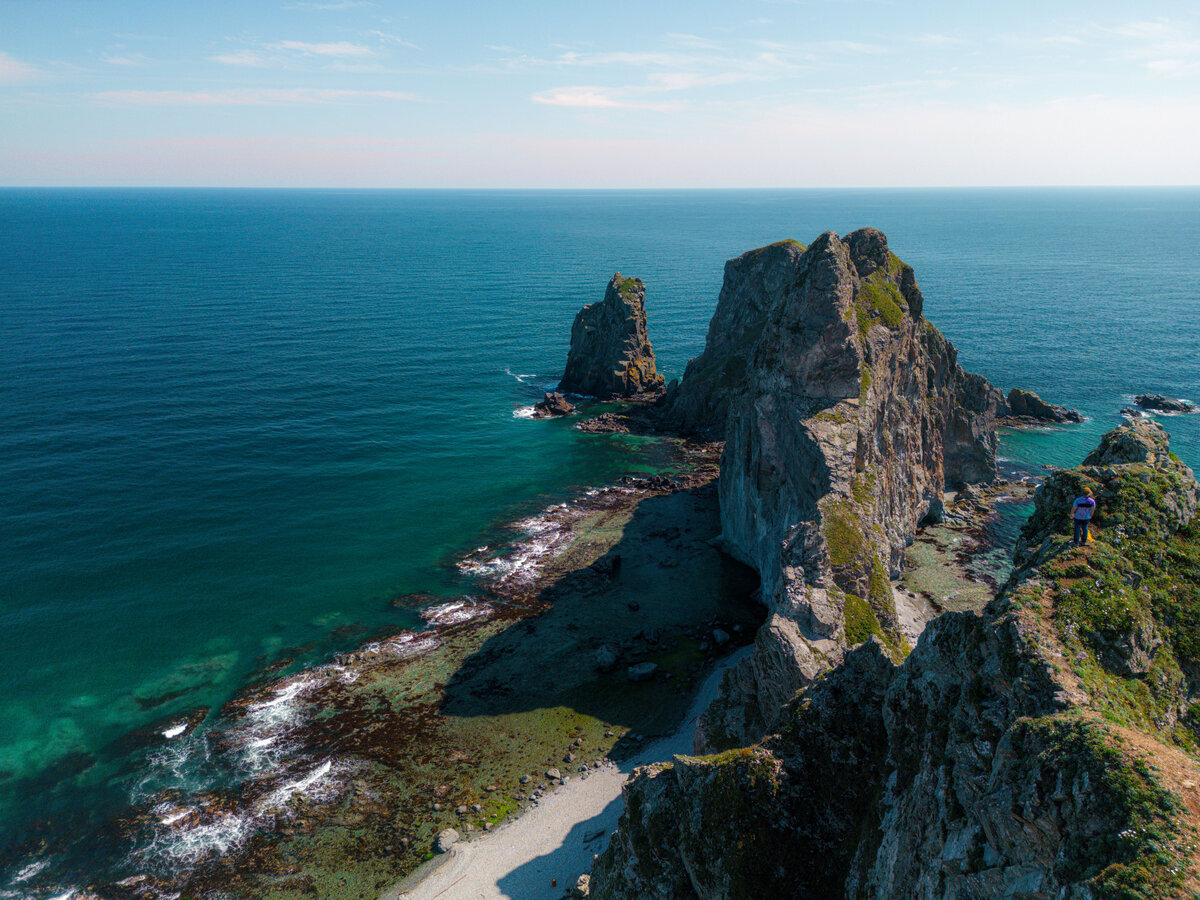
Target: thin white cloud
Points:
(394, 39)
(1173, 67)
(248, 58)
(1144, 30)
(331, 4)
(127, 59)
(939, 40)
(13, 70)
(694, 41)
(594, 98)
(336, 48)
(852, 47)
(246, 97)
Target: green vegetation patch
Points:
(863, 488)
(843, 532)
(1126, 838)
(628, 287)
(877, 294)
(861, 621)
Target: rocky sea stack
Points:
(610, 355)
(1037, 750)
(845, 416)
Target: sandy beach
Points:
(542, 853)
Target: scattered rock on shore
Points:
(642, 671)
(607, 657)
(445, 840)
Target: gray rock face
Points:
(610, 353)
(845, 416)
(1028, 405)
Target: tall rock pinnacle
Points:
(610, 353)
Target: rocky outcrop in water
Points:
(610, 353)
(553, 404)
(1159, 403)
(845, 415)
(1026, 407)
(1033, 751)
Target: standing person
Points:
(1083, 509)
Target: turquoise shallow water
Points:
(237, 424)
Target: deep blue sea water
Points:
(235, 425)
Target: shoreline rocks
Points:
(610, 354)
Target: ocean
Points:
(235, 425)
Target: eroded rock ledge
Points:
(1033, 751)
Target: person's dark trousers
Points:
(1081, 527)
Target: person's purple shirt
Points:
(1083, 508)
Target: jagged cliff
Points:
(610, 354)
(1032, 751)
(845, 415)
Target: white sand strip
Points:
(555, 840)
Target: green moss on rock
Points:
(843, 532)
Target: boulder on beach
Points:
(1164, 404)
(607, 657)
(643, 671)
(445, 840)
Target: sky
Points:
(574, 94)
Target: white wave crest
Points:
(456, 611)
(404, 644)
(523, 412)
(27, 872)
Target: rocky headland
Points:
(1038, 750)
(845, 416)
(1037, 747)
(610, 355)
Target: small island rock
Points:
(553, 404)
(1027, 405)
(610, 353)
(1164, 404)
